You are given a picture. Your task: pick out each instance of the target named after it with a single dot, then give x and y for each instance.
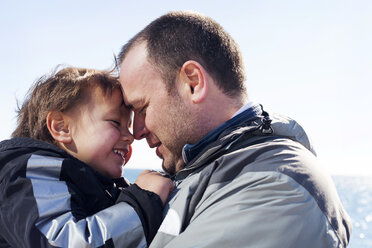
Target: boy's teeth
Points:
(121, 153)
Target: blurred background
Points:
(310, 60)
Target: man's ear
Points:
(58, 127)
(195, 80)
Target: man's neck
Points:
(243, 108)
(190, 151)
(226, 108)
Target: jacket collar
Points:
(190, 151)
(25, 142)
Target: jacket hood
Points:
(287, 127)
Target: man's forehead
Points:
(130, 72)
(134, 67)
(135, 58)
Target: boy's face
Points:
(100, 132)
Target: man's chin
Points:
(172, 168)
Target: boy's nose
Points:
(127, 136)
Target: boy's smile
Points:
(100, 132)
(123, 153)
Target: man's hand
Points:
(153, 181)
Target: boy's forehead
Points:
(113, 100)
(112, 97)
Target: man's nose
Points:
(139, 128)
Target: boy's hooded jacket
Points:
(51, 199)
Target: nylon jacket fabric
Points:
(258, 185)
(50, 199)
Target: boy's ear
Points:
(58, 127)
(195, 80)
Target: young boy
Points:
(60, 174)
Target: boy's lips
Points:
(121, 154)
(124, 153)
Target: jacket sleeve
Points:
(148, 206)
(40, 210)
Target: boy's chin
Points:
(118, 174)
(115, 174)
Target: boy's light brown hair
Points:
(60, 91)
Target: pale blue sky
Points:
(310, 60)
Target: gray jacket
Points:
(258, 185)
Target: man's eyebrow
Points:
(125, 105)
(134, 104)
(130, 106)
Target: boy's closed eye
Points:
(115, 122)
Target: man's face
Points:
(158, 116)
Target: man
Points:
(244, 178)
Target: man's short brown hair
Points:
(177, 37)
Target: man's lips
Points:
(155, 144)
(158, 153)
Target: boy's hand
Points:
(153, 181)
